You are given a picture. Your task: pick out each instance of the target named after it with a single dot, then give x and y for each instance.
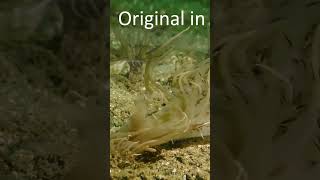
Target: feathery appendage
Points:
(187, 110)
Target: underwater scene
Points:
(160, 93)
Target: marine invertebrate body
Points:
(186, 111)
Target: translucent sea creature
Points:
(186, 111)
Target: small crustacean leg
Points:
(187, 120)
(117, 143)
(144, 146)
(180, 78)
(199, 128)
(153, 55)
(197, 85)
(130, 145)
(158, 50)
